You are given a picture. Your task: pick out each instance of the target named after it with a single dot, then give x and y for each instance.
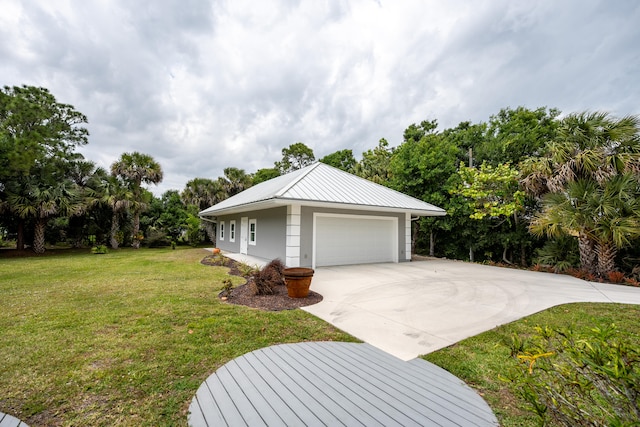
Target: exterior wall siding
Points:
(271, 233)
(277, 231)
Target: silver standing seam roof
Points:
(323, 185)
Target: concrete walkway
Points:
(245, 259)
(409, 309)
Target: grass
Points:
(124, 338)
(482, 359)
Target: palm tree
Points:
(593, 148)
(203, 193)
(565, 214)
(605, 217)
(119, 198)
(617, 210)
(235, 181)
(44, 202)
(135, 169)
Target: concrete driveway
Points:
(414, 308)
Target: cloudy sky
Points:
(202, 85)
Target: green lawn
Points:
(124, 338)
(127, 338)
(482, 359)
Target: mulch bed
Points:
(241, 295)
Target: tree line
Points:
(527, 187)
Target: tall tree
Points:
(235, 181)
(295, 157)
(173, 216)
(115, 193)
(135, 169)
(376, 164)
(606, 214)
(494, 195)
(203, 193)
(590, 148)
(423, 166)
(264, 174)
(514, 134)
(342, 159)
(414, 133)
(44, 202)
(38, 137)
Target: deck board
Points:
(380, 404)
(7, 420)
(436, 380)
(404, 397)
(334, 383)
(334, 399)
(430, 382)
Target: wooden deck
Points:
(9, 421)
(334, 384)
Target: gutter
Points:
(207, 220)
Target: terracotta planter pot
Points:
(216, 251)
(298, 281)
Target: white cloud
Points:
(202, 85)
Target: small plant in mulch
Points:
(245, 295)
(615, 276)
(247, 270)
(227, 287)
(631, 281)
(265, 281)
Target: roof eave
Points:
(261, 204)
(275, 202)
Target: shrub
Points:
(219, 259)
(227, 286)
(615, 276)
(157, 238)
(265, 280)
(560, 253)
(571, 379)
(99, 249)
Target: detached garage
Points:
(319, 216)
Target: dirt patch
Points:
(241, 295)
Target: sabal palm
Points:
(603, 216)
(43, 202)
(587, 146)
(203, 193)
(119, 198)
(593, 148)
(135, 169)
(569, 213)
(235, 181)
(617, 209)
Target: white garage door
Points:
(353, 239)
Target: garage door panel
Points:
(344, 240)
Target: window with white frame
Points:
(252, 231)
(221, 230)
(232, 231)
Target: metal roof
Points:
(323, 185)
